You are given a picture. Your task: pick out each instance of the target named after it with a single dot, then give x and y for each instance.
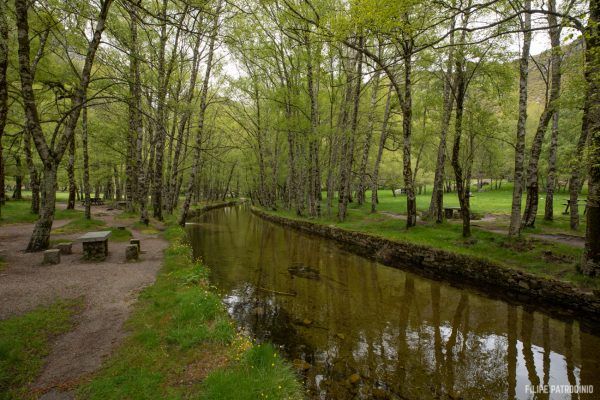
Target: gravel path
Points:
(108, 289)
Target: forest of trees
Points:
(301, 104)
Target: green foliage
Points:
(24, 343)
(261, 374)
(120, 235)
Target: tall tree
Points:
(591, 256)
(436, 204)
(52, 154)
(550, 107)
(214, 31)
(515, 215)
(555, 64)
(3, 88)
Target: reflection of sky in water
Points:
(402, 334)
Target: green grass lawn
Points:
(528, 254)
(18, 211)
(485, 202)
(496, 203)
(182, 344)
(25, 342)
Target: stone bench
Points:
(137, 243)
(52, 256)
(131, 252)
(65, 248)
(95, 245)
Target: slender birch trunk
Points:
(382, 139)
(315, 176)
(348, 138)
(71, 175)
(131, 162)
(591, 256)
(550, 186)
(436, 206)
(411, 202)
(515, 216)
(362, 185)
(551, 106)
(3, 89)
(200, 129)
(86, 164)
(462, 187)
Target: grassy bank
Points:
(528, 254)
(25, 342)
(182, 344)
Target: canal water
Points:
(356, 329)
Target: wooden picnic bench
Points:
(568, 205)
(95, 245)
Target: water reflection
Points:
(358, 329)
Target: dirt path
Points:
(108, 289)
(569, 240)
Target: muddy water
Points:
(357, 329)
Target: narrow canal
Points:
(357, 329)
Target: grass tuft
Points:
(79, 225)
(24, 343)
(260, 374)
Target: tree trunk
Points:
(160, 130)
(134, 104)
(460, 88)
(515, 215)
(228, 182)
(117, 183)
(203, 105)
(183, 129)
(3, 89)
(554, 31)
(549, 209)
(17, 194)
(436, 205)
(40, 239)
(362, 185)
(51, 157)
(382, 138)
(411, 202)
(591, 256)
(551, 106)
(71, 174)
(314, 204)
(347, 152)
(34, 179)
(86, 164)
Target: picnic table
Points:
(449, 212)
(94, 201)
(95, 245)
(568, 205)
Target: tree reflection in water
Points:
(364, 330)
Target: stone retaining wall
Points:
(486, 276)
